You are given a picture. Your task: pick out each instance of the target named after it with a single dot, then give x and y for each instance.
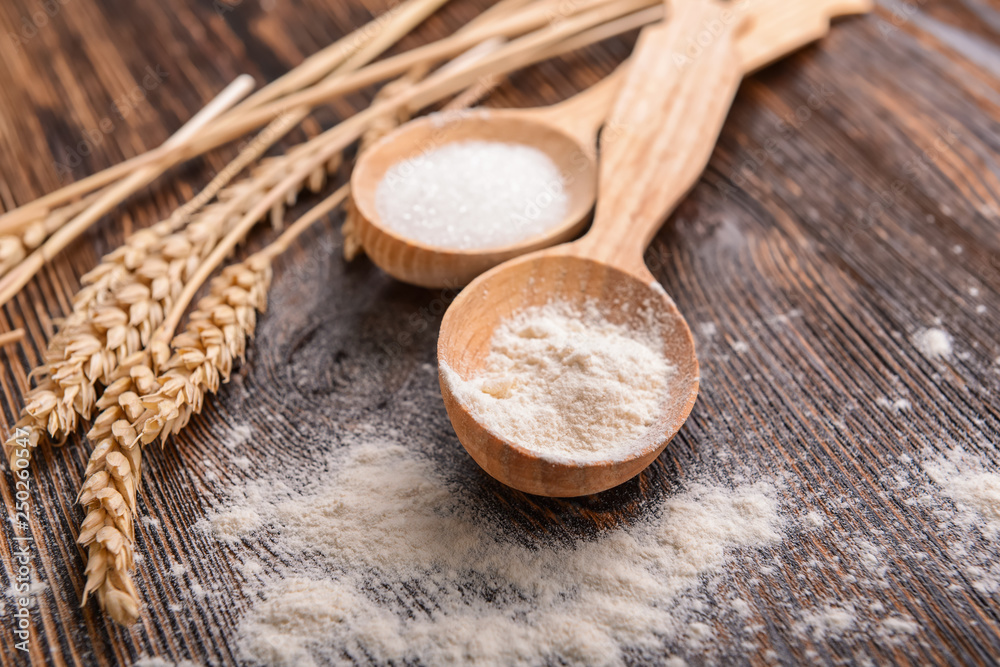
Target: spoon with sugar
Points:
(545, 155)
(668, 115)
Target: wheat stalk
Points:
(141, 406)
(11, 337)
(17, 242)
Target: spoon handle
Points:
(582, 115)
(680, 84)
(781, 27)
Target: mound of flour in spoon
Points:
(472, 195)
(570, 384)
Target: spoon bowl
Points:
(431, 266)
(534, 280)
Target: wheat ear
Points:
(144, 407)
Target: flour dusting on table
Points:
(385, 561)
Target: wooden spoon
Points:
(667, 119)
(566, 132)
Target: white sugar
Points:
(472, 195)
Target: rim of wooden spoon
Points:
(427, 265)
(533, 280)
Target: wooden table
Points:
(854, 199)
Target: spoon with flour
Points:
(539, 166)
(666, 120)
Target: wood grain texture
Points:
(852, 200)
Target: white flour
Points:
(975, 490)
(933, 343)
(387, 562)
(567, 385)
(382, 554)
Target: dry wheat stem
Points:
(11, 337)
(18, 241)
(12, 283)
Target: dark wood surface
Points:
(780, 248)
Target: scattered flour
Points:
(384, 561)
(829, 621)
(898, 405)
(815, 519)
(897, 628)
(933, 343)
(238, 435)
(471, 195)
(230, 524)
(975, 490)
(739, 346)
(567, 385)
